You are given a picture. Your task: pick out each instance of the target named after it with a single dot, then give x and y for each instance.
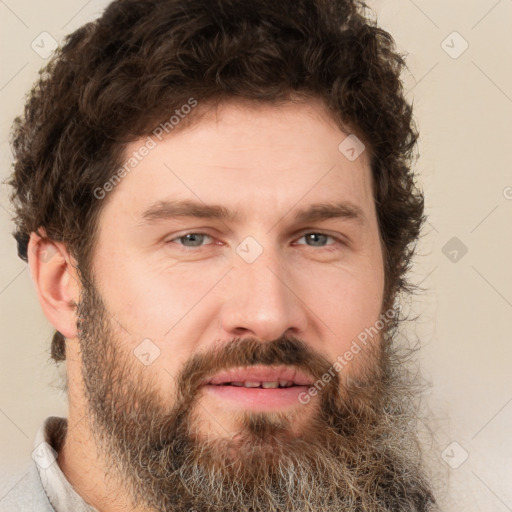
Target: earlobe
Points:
(56, 281)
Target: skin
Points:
(266, 163)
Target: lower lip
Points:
(259, 398)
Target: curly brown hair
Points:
(115, 78)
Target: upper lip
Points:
(260, 374)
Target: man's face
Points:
(193, 320)
(318, 280)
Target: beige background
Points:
(464, 111)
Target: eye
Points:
(317, 239)
(191, 239)
(313, 239)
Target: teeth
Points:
(265, 385)
(268, 385)
(249, 384)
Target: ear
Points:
(54, 274)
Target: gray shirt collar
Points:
(60, 492)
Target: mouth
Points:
(259, 387)
(256, 384)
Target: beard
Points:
(357, 451)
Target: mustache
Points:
(246, 352)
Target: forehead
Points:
(255, 159)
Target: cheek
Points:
(152, 300)
(346, 301)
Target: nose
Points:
(260, 300)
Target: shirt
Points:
(60, 492)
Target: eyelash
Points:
(302, 235)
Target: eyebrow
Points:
(169, 209)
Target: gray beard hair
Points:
(358, 452)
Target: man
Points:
(216, 203)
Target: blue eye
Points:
(195, 239)
(317, 239)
